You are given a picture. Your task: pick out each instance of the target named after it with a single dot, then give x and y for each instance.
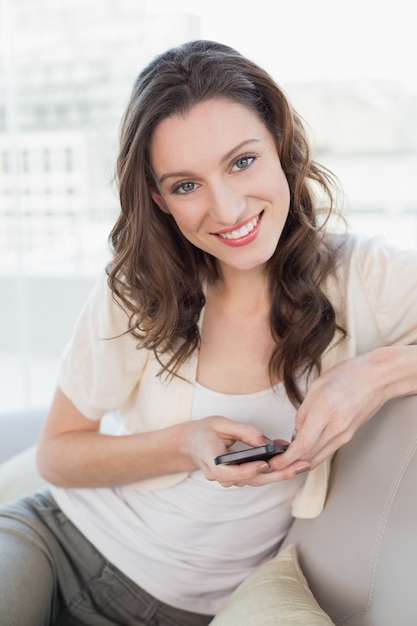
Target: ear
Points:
(158, 199)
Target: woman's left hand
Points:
(345, 397)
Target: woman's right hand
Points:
(213, 436)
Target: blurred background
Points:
(66, 71)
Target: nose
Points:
(227, 203)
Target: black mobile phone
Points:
(260, 453)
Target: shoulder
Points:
(373, 292)
(372, 279)
(364, 258)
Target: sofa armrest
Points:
(19, 476)
(359, 556)
(19, 430)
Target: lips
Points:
(244, 234)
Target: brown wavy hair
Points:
(157, 275)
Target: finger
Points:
(298, 450)
(329, 447)
(238, 474)
(284, 442)
(308, 438)
(273, 476)
(246, 433)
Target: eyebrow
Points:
(226, 157)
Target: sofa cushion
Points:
(275, 594)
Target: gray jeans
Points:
(50, 574)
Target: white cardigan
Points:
(375, 297)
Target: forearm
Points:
(91, 459)
(396, 370)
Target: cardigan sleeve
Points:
(389, 276)
(101, 365)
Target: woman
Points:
(228, 315)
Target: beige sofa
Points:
(356, 564)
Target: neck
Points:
(244, 290)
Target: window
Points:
(66, 72)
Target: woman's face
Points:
(218, 174)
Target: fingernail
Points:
(303, 467)
(294, 434)
(264, 467)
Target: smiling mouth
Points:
(243, 231)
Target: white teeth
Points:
(241, 232)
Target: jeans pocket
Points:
(103, 601)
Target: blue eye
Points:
(185, 187)
(243, 162)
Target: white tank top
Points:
(190, 545)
